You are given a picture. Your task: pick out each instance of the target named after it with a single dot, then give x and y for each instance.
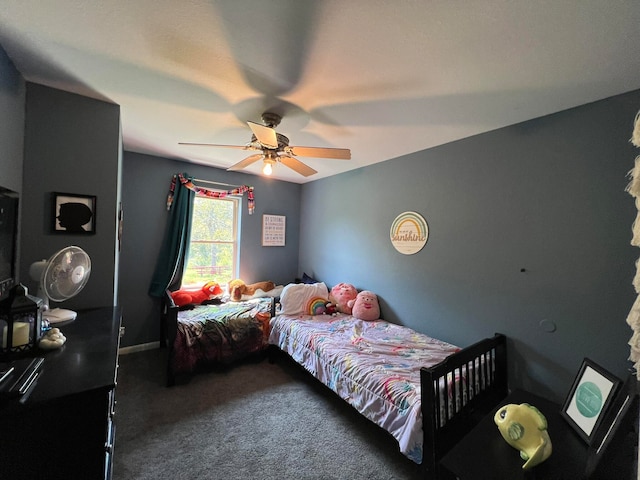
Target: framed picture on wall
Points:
(74, 214)
(589, 398)
(273, 230)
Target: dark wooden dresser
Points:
(64, 428)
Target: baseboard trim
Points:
(139, 348)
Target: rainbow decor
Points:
(409, 233)
(317, 306)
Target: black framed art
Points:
(74, 213)
(589, 398)
(615, 444)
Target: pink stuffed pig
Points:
(341, 295)
(365, 306)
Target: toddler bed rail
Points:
(458, 392)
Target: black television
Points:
(8, 239)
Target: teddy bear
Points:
(237, 288)
(365, 306)
(341, 294)
(187, 296)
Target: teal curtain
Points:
(175, 244)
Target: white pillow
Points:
(296, 296)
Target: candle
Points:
(20, 335)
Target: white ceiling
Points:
(383, 78)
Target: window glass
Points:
(213, 251)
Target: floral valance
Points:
(205, 192)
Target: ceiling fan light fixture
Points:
(269, 162)
(276, 149)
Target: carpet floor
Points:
(255, 420)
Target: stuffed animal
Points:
(524, 427)
(330, 309)
(237, 288)
(209, 290)
(341, 294)
(52, 339)
(365, 306)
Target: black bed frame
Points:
(483, 364)
(168, 332)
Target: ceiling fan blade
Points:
(265, 135)
(297, 165)
(320, 152)
(237, 147)
(246, 162)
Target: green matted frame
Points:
(589, 398)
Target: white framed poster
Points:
(273, 230)
(409, 233)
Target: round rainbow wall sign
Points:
(409, 233)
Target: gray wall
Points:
(546, 196)
(146, 182)
(12, 101)
(72, 145)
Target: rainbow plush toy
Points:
(317, 306)
(209, 291)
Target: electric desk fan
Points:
(60, 278)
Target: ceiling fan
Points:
(275, 148)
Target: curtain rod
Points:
(215, 183)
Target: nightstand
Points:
(484, 455)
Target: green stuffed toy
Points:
(524, 427)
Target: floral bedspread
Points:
(375, 366)
(219, 333)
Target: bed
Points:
(204, 336)
(424, 392)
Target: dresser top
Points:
(87, 361)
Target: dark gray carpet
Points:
(255, 420)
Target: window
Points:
(214, 246)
